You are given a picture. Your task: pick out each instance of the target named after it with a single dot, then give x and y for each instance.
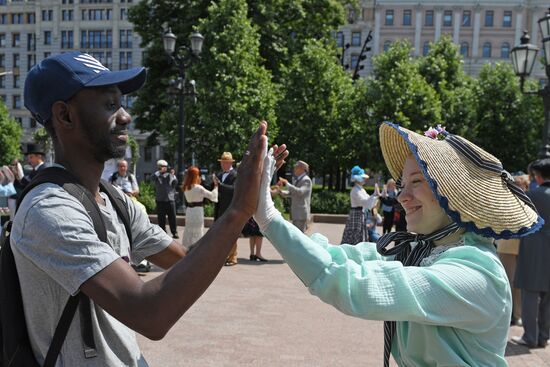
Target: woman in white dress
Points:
(194, 214)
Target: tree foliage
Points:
(237, 89)
(509, 123)
(10, 136)
(399, 93)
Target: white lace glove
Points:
(266, 211)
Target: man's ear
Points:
(61, 114)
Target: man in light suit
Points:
(226, 181)
(300, 194)
(533, 267)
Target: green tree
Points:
(399, 93)
(10, 136)
(442, 69)
(316, 112)
(510, 123)
(237, 92)
(284, 28)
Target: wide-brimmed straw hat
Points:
(226, 156)
(469, 183)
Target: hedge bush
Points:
(147, 196)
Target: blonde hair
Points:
(522, 181)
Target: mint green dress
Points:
(453, 310)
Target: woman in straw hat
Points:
(355, 230)
(441, 289)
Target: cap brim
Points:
(128, 81)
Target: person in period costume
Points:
(440, 287)
(362, 203)
(299, 192)
(35, 157)
(388, 199)
(225, 179)
(194, 214)
(533, 266)
(165, 195)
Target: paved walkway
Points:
(260, 314)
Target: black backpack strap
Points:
(118, 202)
(64, 178)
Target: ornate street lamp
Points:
(182, 57)
(523, 58)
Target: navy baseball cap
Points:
(59, 77)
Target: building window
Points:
(505, 50)
(67, 40)
(15, 60)
(17, 18)
(340, 39)
(67, 1)
(108, 60)
(407, 17)
(47, 15)
(96, 39)
(448, 18)
(125, 60)
(354, 61)
(429, 18)
(464, 49)
(356, 39)
(489, 18)
(466, 18)
(32, 122)
(66, 15)
(147, 154)
(16, 102)
(487, 49)
(47, 54)
(3, 99)
(507, 19)
(47, 37)
(389, 17)
(31, 61)
(123, 14)
(426, 48)
(84, 15)
(31, 42)
(15, 40)
(3, 18)
(2, 40)
(125, 38)
(2, 61)
(2, 81)
(387, 45)
(16, 81)
(31, 18)
(109, 14)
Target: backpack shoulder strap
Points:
(69, 182)
(120, 206)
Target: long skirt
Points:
(194, 226)
(356, 228)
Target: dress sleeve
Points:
(210, 195)
(464, 288)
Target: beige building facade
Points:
(486, 31)
(33, 30)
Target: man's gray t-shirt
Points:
(56, 250)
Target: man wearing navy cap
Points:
(56, 249)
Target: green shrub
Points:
(209, 209)
(147, 196)
(330, 202)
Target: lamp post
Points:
(362, 57)
(523, 58)
(182, 58)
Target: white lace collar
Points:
(437, 251)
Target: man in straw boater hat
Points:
(441, 289)
(58, 252)
(225, 179)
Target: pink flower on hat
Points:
(438, 132)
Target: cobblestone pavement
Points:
(260, 314)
